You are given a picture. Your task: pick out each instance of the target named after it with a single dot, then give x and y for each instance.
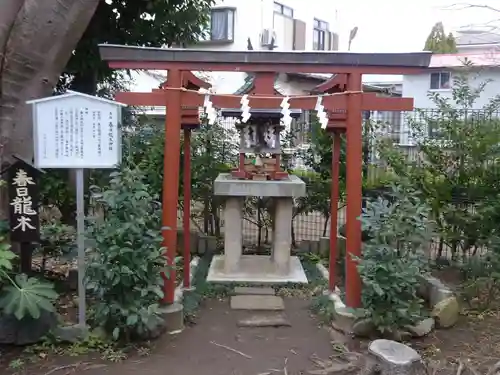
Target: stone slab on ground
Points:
(257, 303)
(263, 291)
(395, 358)
(273, 320)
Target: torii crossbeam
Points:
(353, 65)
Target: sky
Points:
(403, 26)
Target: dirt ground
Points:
(217, 346)
(475, 339)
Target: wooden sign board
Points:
(23, 188)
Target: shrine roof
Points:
(317, 61)
(247, 86)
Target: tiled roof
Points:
(248, 84)
(456, 60)
(475, 39)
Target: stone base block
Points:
(344, 320)
(256, 269)
(174, 318)
(70, 334)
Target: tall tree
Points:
(36, 42)
(41, 41)
(439, 42)
(49, 42)
(145, 23)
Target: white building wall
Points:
(250, 19)
(418, 87)
(252, 16)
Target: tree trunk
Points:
(36, 42)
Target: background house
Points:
(293, 24)
(481, 53)
(480, 50)
(285, 25)
(439, 77)
(239, 25)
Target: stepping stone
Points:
(251, 302)
(254, 291)
(396, 358)
(276, 320)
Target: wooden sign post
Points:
(23, 188)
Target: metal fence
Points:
(397, 126)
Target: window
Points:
(320, 31)
(283, 9)
(222, 25)
(283, 25)
(440, 81)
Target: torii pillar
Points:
(349, 122)
(190, 119)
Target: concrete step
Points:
(257, 303)
(258, 291)
(264, 320)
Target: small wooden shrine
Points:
(260, 145)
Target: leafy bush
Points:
(481, 280)
(456, 168)
(57, 240)
(22, 295)
(127, 258)
(481, 273)
(394, 259)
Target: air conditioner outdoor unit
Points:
(266, 37)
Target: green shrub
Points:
(394, 259)
(127, 258)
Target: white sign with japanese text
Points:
(76, 131)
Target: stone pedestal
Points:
(280, 267)
(233, 233)
(174, 317)
(282, 234)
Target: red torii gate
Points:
(337, 126)
(174, 97)
(190, 119)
